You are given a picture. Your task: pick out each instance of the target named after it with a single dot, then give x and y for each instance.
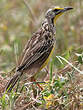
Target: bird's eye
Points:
(56, 10)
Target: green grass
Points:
(60, 91)
(63, 87)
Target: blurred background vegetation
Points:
(18, 22)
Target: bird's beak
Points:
(60, 12)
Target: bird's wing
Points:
(33, 54)
(29, 45)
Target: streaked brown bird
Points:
(39, 48)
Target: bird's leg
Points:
(33, 80)
(33, 88)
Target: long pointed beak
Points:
(64, 10)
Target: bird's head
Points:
(55, 12)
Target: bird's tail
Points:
(13, 81)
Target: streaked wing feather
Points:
(38, 53)
(29, 46)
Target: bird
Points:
(39, 47)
